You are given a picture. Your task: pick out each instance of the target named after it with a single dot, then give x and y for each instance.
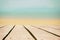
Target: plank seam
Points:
(47, 31)
(8, 33)
(30, 33)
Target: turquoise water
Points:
(32, 13)
(30, 8)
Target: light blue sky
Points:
(30, 8)
(13, 4)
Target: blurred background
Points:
(30, 12)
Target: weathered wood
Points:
(19, 33)
(1, 26)
(51, 29)
(42, 35)
(47, 31)
(4, 31)
(8, 33)
(28, 32)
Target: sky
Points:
(30, 8)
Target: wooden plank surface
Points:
(4, 30)
(53, 29)
(42, 35)
(19, 33)
(29, 32)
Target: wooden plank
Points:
(53, 29)
(56, 27)
(8, 33)
(1, 26)
(19, 33)
(42, 35)
(4, 31)
(30, 33)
